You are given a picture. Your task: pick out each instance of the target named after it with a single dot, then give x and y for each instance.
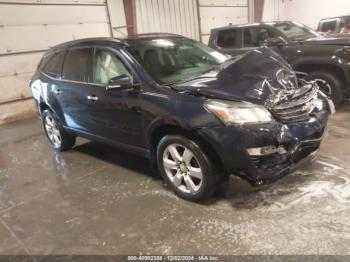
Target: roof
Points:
(335, 17)
(152, 36)
(121, 41)
(87, 41)
(251, 24)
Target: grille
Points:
(299, 106)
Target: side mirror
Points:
(122, 81)
(274, 41)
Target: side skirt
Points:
(128, 148)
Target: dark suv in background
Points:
(325, 59)
(333, 24)
(195, 114)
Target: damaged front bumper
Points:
(279, 164)
(264, 153)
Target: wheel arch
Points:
(333, 69)
(45, 106)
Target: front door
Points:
(254, 37)
(115, 114)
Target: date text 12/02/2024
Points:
(173, 258)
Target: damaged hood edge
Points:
(259, 77)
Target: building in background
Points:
(29, 28)
(307, 12)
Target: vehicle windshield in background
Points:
(295, 31)
(171, 61)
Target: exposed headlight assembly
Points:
(238, 112)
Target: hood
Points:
(340, 39)
(257, 77)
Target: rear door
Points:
(72, 88)
(50, 82)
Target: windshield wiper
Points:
(192, 77)
(219, 67)
(301, 37)
(228, 62)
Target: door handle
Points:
(57, 91)
(93, 98)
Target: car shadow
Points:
(243, 196)
(118, 157)
(239, 193)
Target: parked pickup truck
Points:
(334, 24)
(324, 59)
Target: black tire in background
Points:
(210, 177)
(66, 140)
(329, 84)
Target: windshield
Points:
(295, 31)
(174, 60)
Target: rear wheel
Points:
(54, 131)
(185, 167)
(329, 84)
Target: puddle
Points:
(322, 181)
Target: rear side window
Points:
(343, 24)
(76, 64)
(53, 65)
(328, 25)
(227, 38)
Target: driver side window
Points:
(107, 66)
(255, 36)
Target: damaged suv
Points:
(198, 115)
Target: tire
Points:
(190, 173)
(329, 84)
(55, 133)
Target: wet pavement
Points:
(95, 199)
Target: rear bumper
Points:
(300, 142)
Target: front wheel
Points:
(329, 84)
(54, 131)
(185, 167)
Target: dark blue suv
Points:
(198, 115)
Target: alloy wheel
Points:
(182, 168)
(53, 131)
